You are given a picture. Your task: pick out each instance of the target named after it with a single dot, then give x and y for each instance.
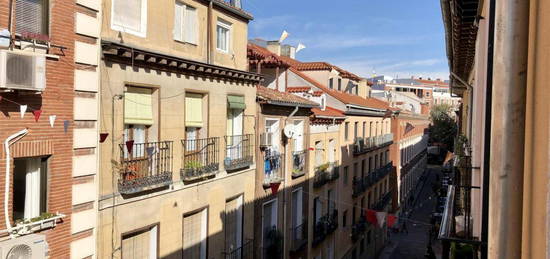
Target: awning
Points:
(236, 102)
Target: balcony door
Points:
(331, 150)
(299, 135)
(297, 217)
(234, 133)
(234, 227)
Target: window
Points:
(331, 201)
(299, 135)
(223, 33)
(355, 130)
(381, 159)
(331, 83)
(344, 218)
(235, 110)
(141, 244)
(346, 131)
(30, 185)
(272, 126)
(346, 175)
(319, 153)
(129, 16)
(363, 168)
(356, 87)
(355, 170)
(185, 23)
(269, 221)
(370, 164)
(31, 16)
(387, 157)
(375, 161)
(317, 209)
(370, 129)
(234, 225)
(331, 150)
(364, 129)
(297, 209)
(194, 235)
(353, 213)
(138, 117)
(339, 84)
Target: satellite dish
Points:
(289, 130)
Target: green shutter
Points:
(193, 110)
(138, 107)
(236, 102)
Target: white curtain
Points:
(32, 188)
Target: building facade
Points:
(178, 166)
(49, 55)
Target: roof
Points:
(433, 82)
(233, 9)
(257, 53)
(298, 89)
(344, 97)
(319, 65)
(328, 112)
(317, 93)
(283, 98)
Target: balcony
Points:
(358, 229)
(383, 202)
(359, 146)
(325, 226)
(298, 237)
(274, 169)
(364, 145)
(299, 159)
(383, 140)
(200, 158)
(246, 251)
(325, 173)
(359, 186)
(146, 166)
(239, 152)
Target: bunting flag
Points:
(371, 216)
(284, 35)
(65, 126)
(103, 137)
(52, 120)
(130, 146)
(36, 114)
(408, 128)
(391, 220)
(300, 47)
(387, 114)
(274, 187)
(381, 218)
(22, 110)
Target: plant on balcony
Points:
(324, 167)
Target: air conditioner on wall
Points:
(266, 139)
(26, 247)
(21, 70)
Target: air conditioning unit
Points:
(266, 139)
(26, 247)
(22, 70)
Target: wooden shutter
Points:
(136, 246)
(31, 16)
(194, 234)
(178, 20)
(190, 24)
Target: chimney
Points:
(236, 3)
(274, 46)
(288, 51)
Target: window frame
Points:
(183, 24)
(141, 230)
(143, 32)
(45, 20)
(229, 27)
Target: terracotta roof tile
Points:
(328, 112)
(275, 97)
(298, 89)
(432, 82)
(317, 93)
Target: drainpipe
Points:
(470, 107)
(209, 34)
(7, 144)
(508, 128)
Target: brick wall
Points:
(57, 99)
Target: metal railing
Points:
(326, 225)
(334, 174)
(382, 140)
(358, 229)
(299, 159)
(200, 158)
(298, 236)
(144, 166)
(274, 168)
(246, 251)
(359, 186)
(383, 202)
(364, 145)
(325, 173)
(238, 152)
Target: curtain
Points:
(32, 189)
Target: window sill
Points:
(187, 43)
(32, 227)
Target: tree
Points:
(443, 128)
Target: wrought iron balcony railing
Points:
(200, 158)
(359, 186)
(239, 152)
(383, 201)
(298, 237)
(364, 145)
(274, 167)
(299, 159)
(358, 229)
(325, 226)
(325, 173)
(246, 251)
(144, 166)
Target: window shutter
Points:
(193, 110)
(127, 14)
(138, 107)
(190, 25)
(236, 102)
(178, 19)
(192, 235)
(31, 16)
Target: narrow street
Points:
(413, 245)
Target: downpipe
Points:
(17, 136)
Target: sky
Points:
(396, 38)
